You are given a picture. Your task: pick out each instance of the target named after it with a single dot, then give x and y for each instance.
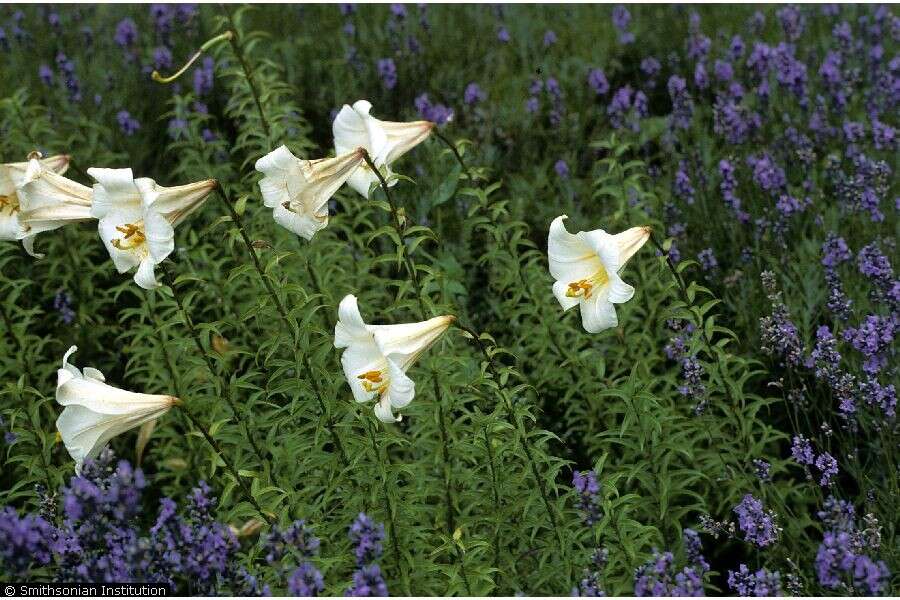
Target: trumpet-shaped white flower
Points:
(95, 412)
(138, 218)
(299, 190)
(385, 141)
(377, 356)
(586, 268)
(48, 201)
(11, 177)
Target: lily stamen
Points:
(11, 202)
(583, 288)
(130, 230)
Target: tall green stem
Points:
(248, 73)
(279, 306)
(388, 505)
(439, 401)
(238, 417)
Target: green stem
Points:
(231, 469)
(242, 422)
(155, 76)
(439, 401)
(388, 505)
(248, 74)
(279, 306)
(523, 434)
(456, 153)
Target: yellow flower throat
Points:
(133, 236)
(374, 381)
(10, 202)
(583, 288)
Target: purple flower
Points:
(724, 71)
(561, 168)
(398, 11)
(549, 38)
(62, 303)
(682, 185)
(46, 74)
(204, 76)
(757, 525)
(368, 581)
(367, 538)
(436, 113)
(682, 105)
(802, 451)
(26, 542)
(597, 81)
(650, 66)
(835, 251)
(387, 70)
(762, 470)
(621, 19)
(127, 123)
(766, 173)
(503, 35)
(792, 21)
(306, 581)
(474, 94)
(874, 340)
(297, 539)
(126, 33)
(162, 58)
(828, 467)
(762, 583)
(588, 489)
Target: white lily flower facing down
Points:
(48, 201)
(95, 412)
(138, 218)
(586, 268)
(298, 190)
(11, 177)
(385, 141)
(377, 356)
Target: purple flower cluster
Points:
(682, 104)
(762, 583)
(843, 553)
(779, 335)
(128, 124)
(728, 187)
(204, 77)
(874, 340)
(621, 18)
(597, 81)
(802, 452)
(436, 113)
(757, 525)
(588, 489)
(658, 576)
(62, 303)
(590, 585)
(474, 94)
(387, 71)
(99, 540)
(626, 108)
(876, 267)
(367, 539)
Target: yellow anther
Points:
(133, 236)
(374, 381)
(583, 288)
(11, 202)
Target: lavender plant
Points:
(717, 417)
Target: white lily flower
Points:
(48, 201)
(299, 190)
(586, 268)
(385, 141)
(138, 218)
(11, 177)
(377, 356)
(95, 412)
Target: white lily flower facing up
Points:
(138, 218)
(95, 412)
(377, 356)
(586, 268)
(298, 190)
(385, 141)
(48, 201)
(11, 177)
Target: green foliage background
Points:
(474, 484)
